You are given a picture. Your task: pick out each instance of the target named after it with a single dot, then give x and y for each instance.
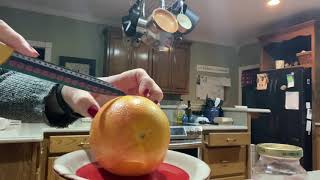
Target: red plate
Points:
(165, 171)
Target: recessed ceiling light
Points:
(273, 2)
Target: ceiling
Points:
(226, 22)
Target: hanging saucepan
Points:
(162, 20)
(194, 18)
(175, 8)
(129, 23)
(146, 35)
(185, 23)
(142, 22)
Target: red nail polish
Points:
(146, 92)
(92, 111)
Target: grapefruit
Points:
(130, 136)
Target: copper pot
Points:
(162, 20)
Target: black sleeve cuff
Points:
(58, 112)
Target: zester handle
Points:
(51, 72)
(5, 53)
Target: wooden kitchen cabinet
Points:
(169, 69)
(180, 68)
(19, 161)
(57, 144)
(141, 58)
(121, 56)
(298, 37)
(226, 139)
(50, 174)
(117, 53)
(67, 143)
(226, 153)
(161, 69)
(316, 142)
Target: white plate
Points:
(67, 165)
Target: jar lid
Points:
(280, 150)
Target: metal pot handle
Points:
(163, 4)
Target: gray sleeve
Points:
(23, 97)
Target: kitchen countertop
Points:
(34, 132)
(313, 175)
(223, 127)
(239, 109)
(250, 110)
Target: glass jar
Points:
(279, 162)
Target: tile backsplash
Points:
(171, 114)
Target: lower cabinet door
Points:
(231, 178)
(51, 175)
(226, 161)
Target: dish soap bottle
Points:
(180, 112)
(188, 113)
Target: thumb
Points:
(80, 101)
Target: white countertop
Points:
(239, 109)
(250, 110)
(314, 175)
(33, 132)
(223, 127)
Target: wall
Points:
(249, 54)
(214, 55)
(69, 37)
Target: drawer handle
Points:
(231, 140)
(224, 162)
(84, 144)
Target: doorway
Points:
(247, 84)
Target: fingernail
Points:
(156, 102)
(92, 111)
(36, 52)
(146, 92)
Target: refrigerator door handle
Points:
(271, 85)
(275, 86)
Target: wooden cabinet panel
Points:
(161, 69)
(226, 161)
(141, 58)
(180, 69)
(119, 56)
(50, 174)
(169, 69)
(231, 178)
(18, 161)
(227, 169)
(225, 154)
(65, 144)
(227, 139)
(316, 146)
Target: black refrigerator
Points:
(283, 125)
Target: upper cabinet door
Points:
(161, 69)
(141, 58)
(119, 60)
(117, 53)
(180, 69)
